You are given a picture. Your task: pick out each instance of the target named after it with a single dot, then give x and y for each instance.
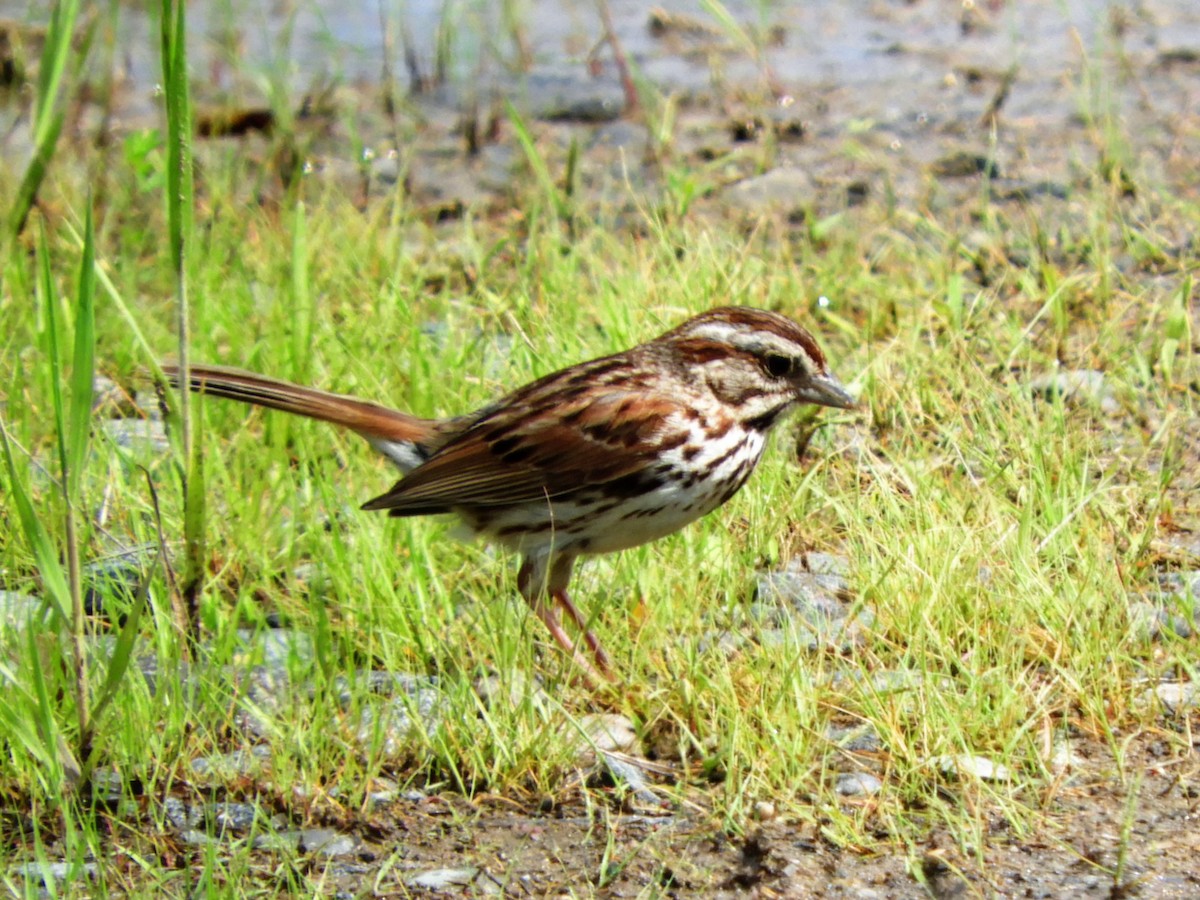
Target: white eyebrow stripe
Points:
(759, 342)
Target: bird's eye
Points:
(778, 366)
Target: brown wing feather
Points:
(533, 451)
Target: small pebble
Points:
(632, 778)
(1077, 386)
(320, 841)
(138, 435)
(1065, 758)
(857, 739)
(238, 763)
(395, 720)
(966, 765)
(443, 879)
(1150, 620)
(1173, 696)
(858, 784)
(62, 872)
(764, 811)
(604, 732)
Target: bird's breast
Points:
(682, 484)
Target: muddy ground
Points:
(1091, 845)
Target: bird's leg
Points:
(563, 599)
(531, 581)
(550, 618)
(561, 566)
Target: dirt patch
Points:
(1098, 834)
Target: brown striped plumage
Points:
(598, 457)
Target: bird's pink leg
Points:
(531, 589)
(564, 600)
(550, 618)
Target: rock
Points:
(1150, 620)
(1064, 757)
(386, 168)
(965, 765)
(1077, 386)
(274, 648)
(729, 643)
(267, 693)
(398, 702)
(18, 610)
(385, 791)
(231, 816)
(492, 350)
(892, 681)
(182, 816)
(1184, 585)
(443, 879)
(764, 811)
(1174, 697)
(179, 672)
(825, 618)
(1180, 545)
(318, 841)
(107, 787)
(382, 684)
(197, 838)
(785, 191)
(857, 739)
(800, 590)
(963, 164)
(110, 400)
(225, 817)
(603, 733)
(1010, 189)
(445, 189)
(148, 405)
(221, 767)
(622, 135)
(113, 582)
(631, 777)
(827, 564)
(62, 874)
(858, 784)
(567, 95)
(139, 436)
(388, 725)
(497, 168)
(513, 689)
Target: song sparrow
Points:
(598, 457)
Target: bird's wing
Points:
(544, 448)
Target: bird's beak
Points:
(825, 390)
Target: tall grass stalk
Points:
(180, 195)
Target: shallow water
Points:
(891, 49)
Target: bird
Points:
(595, 458)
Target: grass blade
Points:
(47, 116)
(180, 194)
(45, 554)
(302, 306)
(79, 418)
(537, 163)
(122, 654)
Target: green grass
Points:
(995, 535)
